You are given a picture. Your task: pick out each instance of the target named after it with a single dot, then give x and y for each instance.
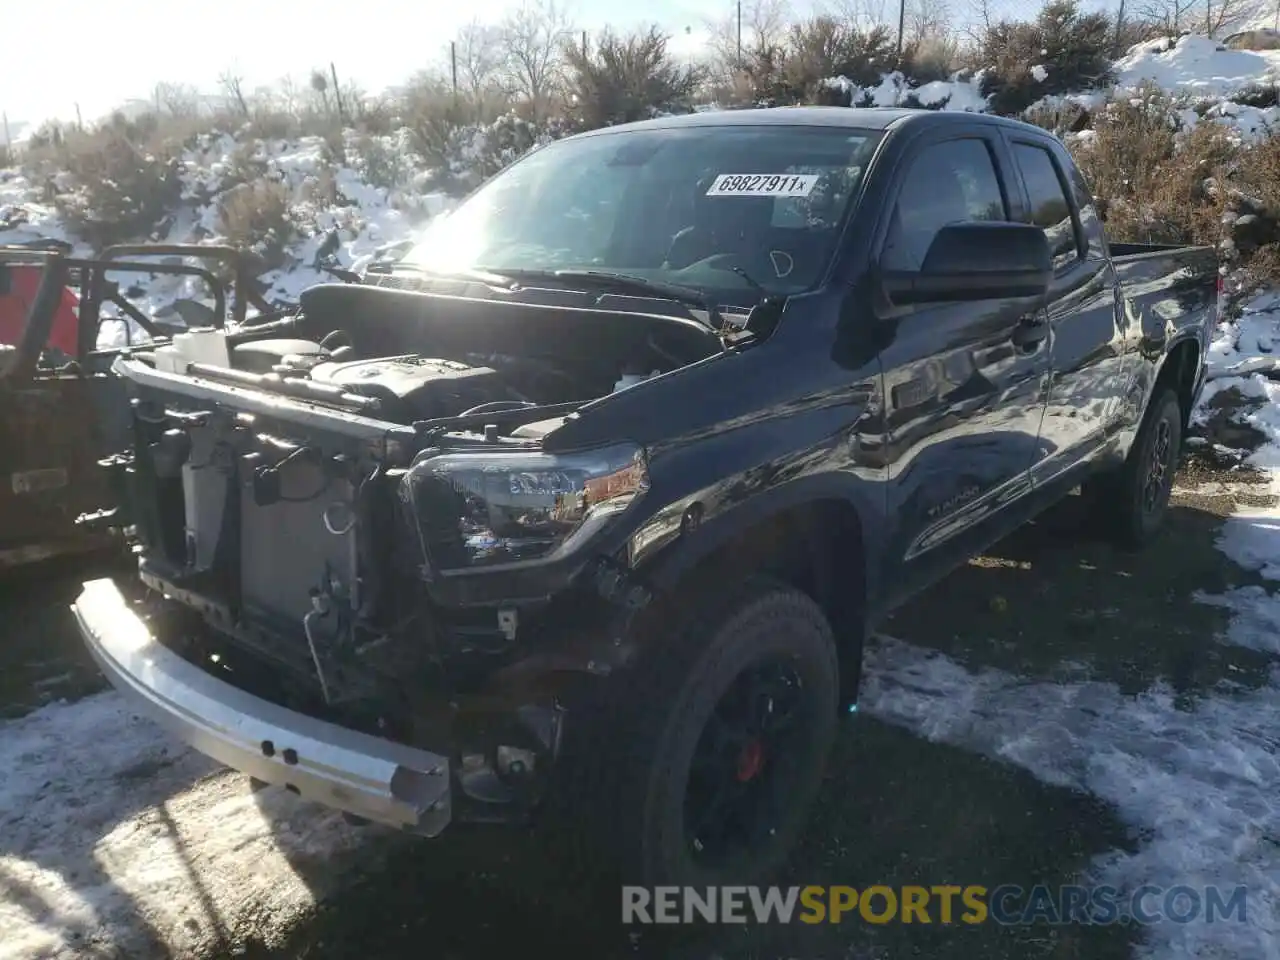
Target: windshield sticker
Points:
(763, 185)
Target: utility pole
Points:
(8, 142)
(337, 93)
(79, 120)
(739, 34)
(902, 26)
(453, 65)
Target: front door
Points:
(963, 399)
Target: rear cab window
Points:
(1048, 194)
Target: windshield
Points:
(696, 206)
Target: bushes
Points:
(626, 79)
(110, 186)
(1062, 50)
(1156, 183)
(255, 216)
(812, 52)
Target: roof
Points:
(860, 118)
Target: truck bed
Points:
(1128, 251)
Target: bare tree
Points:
(290, 98)
(533, 40)
(764, 29)
(481, 53)
(177, 99)
(1170, 16)
(864, 15)
(1212, 17)
(983, 18)
(232, 84)
(927, 21)
(1225, 16)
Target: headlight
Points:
(479, 509)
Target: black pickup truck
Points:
(578, 516)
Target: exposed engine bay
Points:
(412, 387)
(393, 357)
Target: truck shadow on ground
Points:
(1057, 601)
(42, 657)
(897, 811)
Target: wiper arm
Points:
(597, 278)
(624, 281)
(504, 279)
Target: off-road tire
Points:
(627, 766)
(1134, 500)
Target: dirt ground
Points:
(1051, 601)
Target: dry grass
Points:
(256, 216)
(117, 182)
(1156, 183)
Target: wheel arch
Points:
(1179, 370)
(815, 536)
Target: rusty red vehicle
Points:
(62, 411)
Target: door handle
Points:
(1030, 333)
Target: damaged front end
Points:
(442, 582)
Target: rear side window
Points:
(1090, 222)
(1050, 208)
(950, 182)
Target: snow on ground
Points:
(1198, 787)
(23, 216)
(323, 196)
(113, 837)
(1198, 66)
(960, 93)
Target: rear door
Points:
(963, 401)
(1087, 342)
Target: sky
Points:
(109, 51)
(106, 52)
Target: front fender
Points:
(678, 538)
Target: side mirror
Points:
(982, 260)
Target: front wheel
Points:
(726, 732)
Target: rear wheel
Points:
(1134, 501)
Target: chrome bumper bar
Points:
(363, 775)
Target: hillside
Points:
(1178, 145)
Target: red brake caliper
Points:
(750, 760)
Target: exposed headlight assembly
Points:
(478, 509)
